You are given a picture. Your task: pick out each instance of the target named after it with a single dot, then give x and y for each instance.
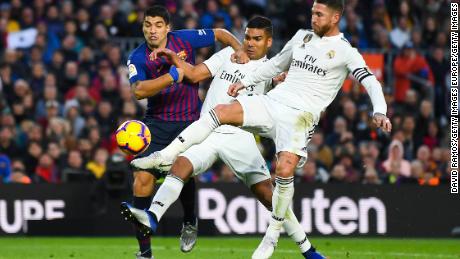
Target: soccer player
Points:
(236, 147)
(318, 62)
(169, 110)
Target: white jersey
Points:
(317, 68)
(224, 74)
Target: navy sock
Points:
(144, 242)
(187, 199)
(307, 253)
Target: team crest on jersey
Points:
(331, 54)
(151, 56)
(307, 38)
(182, 55)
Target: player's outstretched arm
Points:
(194, 73)
(358, 68)
(275, 65)
(148, 88)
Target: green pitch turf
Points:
(223, 248)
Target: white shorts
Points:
(291, 129)
(237, 150)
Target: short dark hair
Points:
(158, 10)
(337, 5)
(261, 22)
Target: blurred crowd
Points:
(64, 88)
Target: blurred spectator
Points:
(227, 175)
(395, 163)
(97, 165)
(213, 13)
(440, 68)
(324, 152)
(340, 134)
(5, 168)
(410, 67)
(18, 173)
(371, 177)
(7, 144)
(46, 172)
(75, 170)
(400, 35)
(338, 174)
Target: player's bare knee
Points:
(284, 170)
(229, 113)
(221, 111)
(182, 168)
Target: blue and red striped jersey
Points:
(178, 102)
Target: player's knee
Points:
(182, 168)
(284, 170)
(221, 111)
(229, 113)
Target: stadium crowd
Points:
(64, 87)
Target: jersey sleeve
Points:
(358, 68)
(275, 65)
(136, 70)
(197, 38)
(215, 62)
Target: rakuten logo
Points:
(243, 215)
(25, 210)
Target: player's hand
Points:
(382, 121)
(279, 78)
(240, 57)
(234, 88)
(163, 52)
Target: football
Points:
(133, 137)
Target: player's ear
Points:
(336, 17)
(168, 27)
(269, 42)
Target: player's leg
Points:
(263, 191)
(189, 231)
(197, 158)
(281, 200)
(147, 220)
(143, 185)
(196, 133)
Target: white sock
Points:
(282, 198)
(193, 134)
(166, 195)
(295, 231)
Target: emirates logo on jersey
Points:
(182, 55)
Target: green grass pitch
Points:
(223, 248)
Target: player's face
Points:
(256, 43)
(155, 30)
(323, 18)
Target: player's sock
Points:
(144, 241)
(193, 134)
(167, 194)
(295, 231)
(187, 198)
(282, 198)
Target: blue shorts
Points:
(163, 133)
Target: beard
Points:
(320, 31)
